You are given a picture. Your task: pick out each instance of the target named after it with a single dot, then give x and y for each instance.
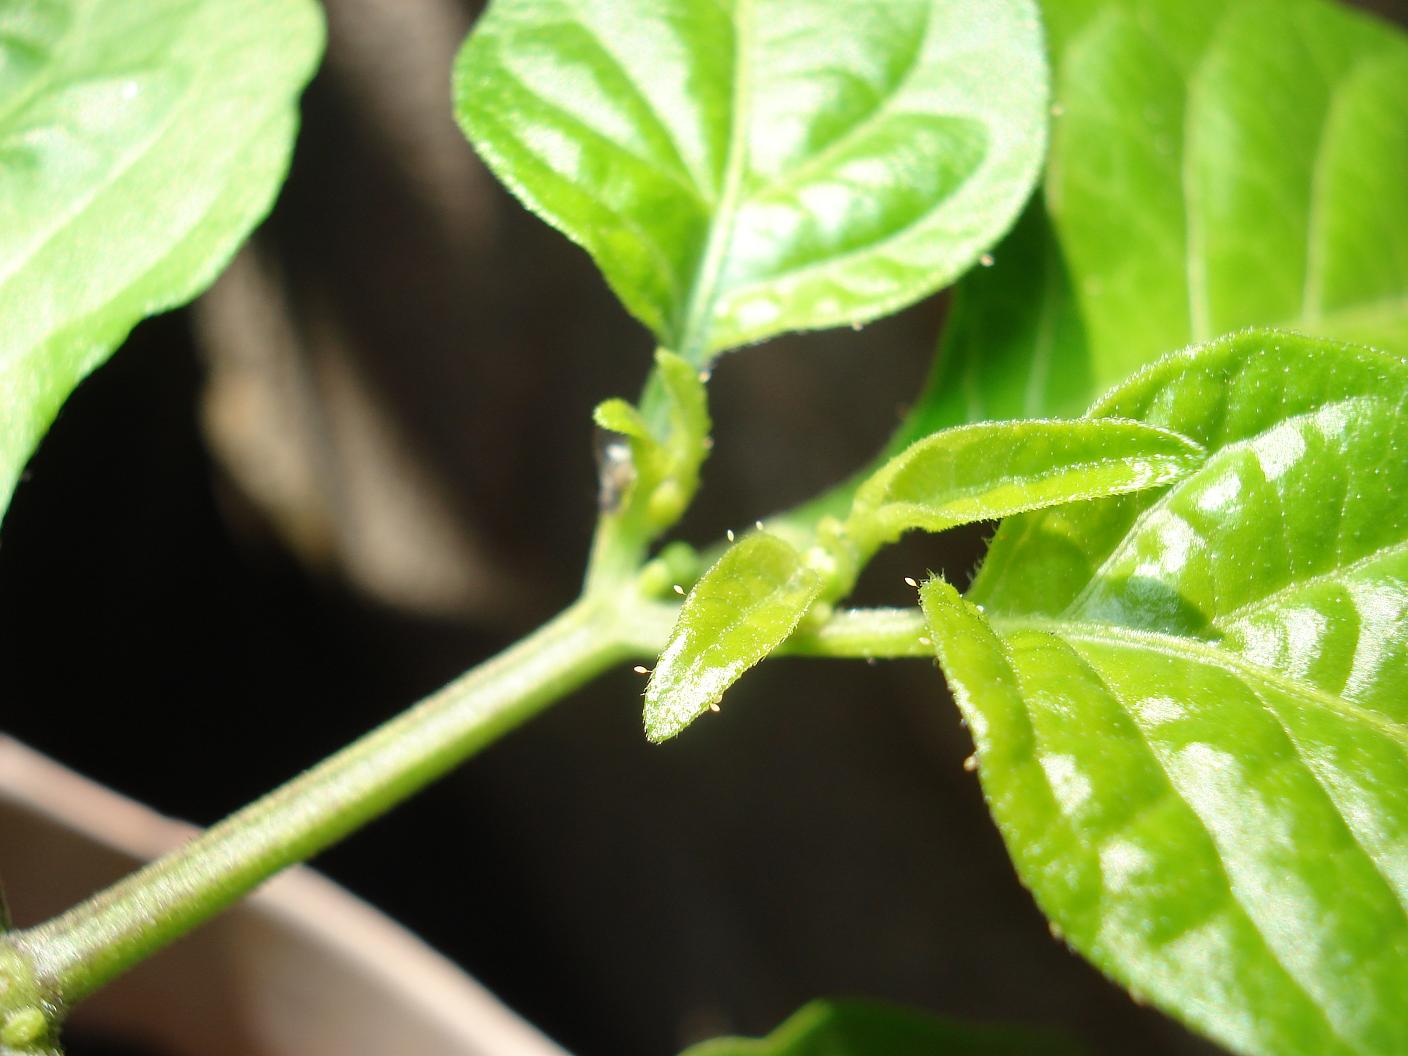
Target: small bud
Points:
(654, 578)
(667, 503)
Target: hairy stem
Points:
(866, 634)
(76, 953)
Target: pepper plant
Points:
(1172, 368)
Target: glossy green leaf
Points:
(139, 144)
(1215, 164)
(746, 167)
(995, 469)
(1190, 705)
(742, 609)
(864, 1028)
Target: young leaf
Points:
(1189, 705)
(1214, 164)
(663, 471)
(742, 609)
(745, 167)
(865, 1028)
(994, 469)
(140, 143)
(617, 416)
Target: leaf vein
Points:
(789, 179)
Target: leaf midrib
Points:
(693, 336)
(81, 204)
(1230, 885)
(788, 179)
(1237, 444)
(1224, 621)
(1202, 652)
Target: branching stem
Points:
(74, 954)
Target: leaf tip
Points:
(662, 723)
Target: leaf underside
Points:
(1189, 705)
(741, 168)
(991, 470)
(139, 144)
(1215, 164)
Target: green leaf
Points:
(1014, 344)
(863, 1028)
(742, 609)
(139, 144)
(618, 416)
(1189, 705)
(746, 167)
(1215, 164)
(991, 470)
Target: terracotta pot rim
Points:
(307, 904)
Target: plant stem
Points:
(868, 634)
(76, 953)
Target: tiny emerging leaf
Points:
(668, 438)
(742, 609)
(621, 417)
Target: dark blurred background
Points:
(362, 464)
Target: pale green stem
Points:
(76, 953)
(868, 634)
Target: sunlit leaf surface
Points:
(745, 167)
(1190, 704)
(139, 144)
